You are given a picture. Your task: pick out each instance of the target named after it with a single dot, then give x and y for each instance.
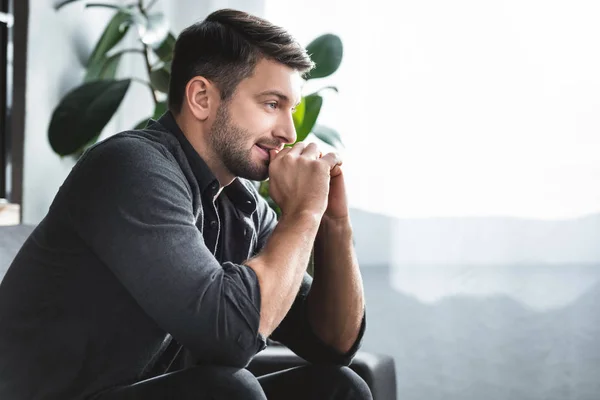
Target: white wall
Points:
(464, 108)
(53, 68)
(59, 43)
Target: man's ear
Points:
(202, 97)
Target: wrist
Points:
(339, 227)
(336, 222)
(304, 218)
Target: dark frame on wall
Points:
(12, 99)
(4, 38)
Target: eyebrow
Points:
(281, 95)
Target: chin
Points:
(259, 176)
(255, 172)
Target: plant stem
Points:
(113, 6)
(152, 2)
(127, 51)
(149, 70)
(146, 58)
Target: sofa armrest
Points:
(377, 370)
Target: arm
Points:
(131, 204)
(281, 265)
(337, 289)
(294, 331)
(299, 183)
(336, 302)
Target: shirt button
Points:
(213, 224)
(214, 187)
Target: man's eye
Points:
(272, 105)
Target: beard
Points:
(228, 140)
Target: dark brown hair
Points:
(225, 48)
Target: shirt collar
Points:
(237, 191)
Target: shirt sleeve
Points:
(132, 205)
(295, 331)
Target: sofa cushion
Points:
(378, 370)
(11, 240)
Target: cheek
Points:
(256, 121)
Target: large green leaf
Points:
(311, 113)
(326, 51)
(112, 35)
(106, 69)
(263, 190)
(164, 51)
(298, 115)
(159, 110)
(328, 135)
(83, 113)
(159, 78)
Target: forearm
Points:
(335, 301)
(280, 267)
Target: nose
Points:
(286, 131)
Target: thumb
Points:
(336, 171)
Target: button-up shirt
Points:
(139, 254)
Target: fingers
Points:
(297, 149)
(311, 151)
(282, 152)
(335, 171)
(332, 159)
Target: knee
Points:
(346, 381)
(237, 384)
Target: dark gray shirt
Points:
(134, 259)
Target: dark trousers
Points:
(217, 383)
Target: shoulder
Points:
(128, 160)
(135, 146)
(132, 154)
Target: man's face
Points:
(257, 118)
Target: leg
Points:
(323, 382)
(196, 383)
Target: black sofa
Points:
(377, 370)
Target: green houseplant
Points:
(82, 114)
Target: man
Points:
(159, 272)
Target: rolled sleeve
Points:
(133, 206)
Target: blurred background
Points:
(471, 136)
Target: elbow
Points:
(229, 324)
(236, 352)
(234, 347)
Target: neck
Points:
(199, 141)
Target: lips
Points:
(264, 151)
(267, 149)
